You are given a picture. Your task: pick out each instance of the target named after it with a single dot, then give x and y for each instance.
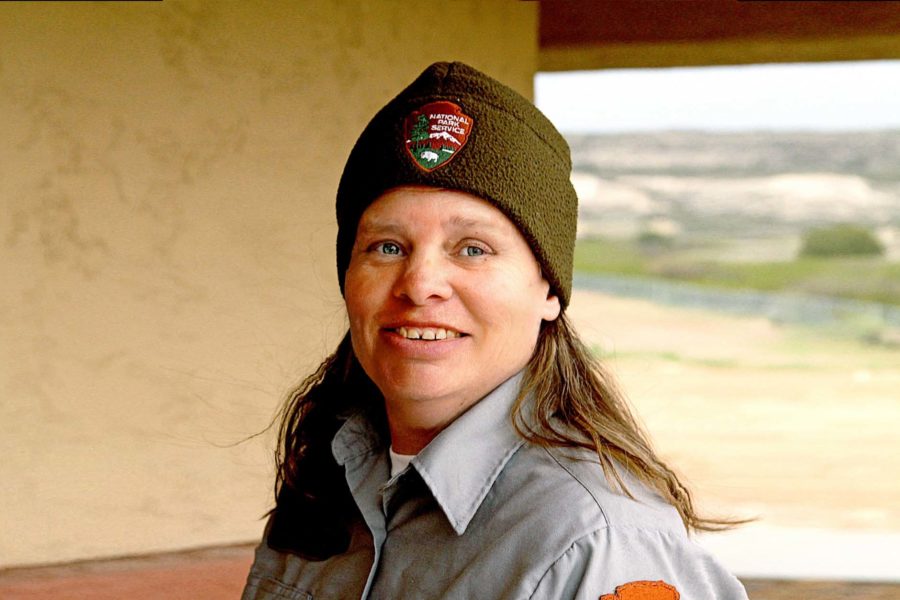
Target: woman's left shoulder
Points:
(639, 545)
(578, 476)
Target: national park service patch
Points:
(435, 133)
(644, 590)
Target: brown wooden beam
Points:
(582, 34)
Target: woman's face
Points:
(444, 297)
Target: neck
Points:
(413, 424)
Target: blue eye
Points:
(472, 251)
(388, 248)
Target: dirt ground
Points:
(791, 426)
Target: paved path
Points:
(208, 574)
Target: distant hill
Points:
(872, 154)
(747, 184)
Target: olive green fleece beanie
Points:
(454, 127)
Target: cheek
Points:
(513, 305)
(358, 310)
(367, 292)
(355, 297)
(530, 311)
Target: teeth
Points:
(427, 333)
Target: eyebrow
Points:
(465, 223)
(392, 227)
(379, 226)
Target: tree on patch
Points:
(419, 131)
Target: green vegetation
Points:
(864, 278)
(841, 240)
(653, 241)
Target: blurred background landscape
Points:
(811, 219)
(744, 282)
(738, 266)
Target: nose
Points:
(425, 278)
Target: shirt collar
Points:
(356, 437)
(460, 465)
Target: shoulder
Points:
(573, 478)
(614, 563)
(604, 539)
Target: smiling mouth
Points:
(427, 333)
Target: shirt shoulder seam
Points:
(562, 555)
(582, 484)
(634, 530)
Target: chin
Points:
(416, 390)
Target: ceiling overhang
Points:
(585, 34)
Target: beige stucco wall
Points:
(167, 174)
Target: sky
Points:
(841, 96)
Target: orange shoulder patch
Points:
(644, 590)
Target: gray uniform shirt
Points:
(480, 513)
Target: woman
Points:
(461, 442)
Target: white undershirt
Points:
(399, 461)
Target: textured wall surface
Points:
(167, 175)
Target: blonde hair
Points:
(576, 402)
